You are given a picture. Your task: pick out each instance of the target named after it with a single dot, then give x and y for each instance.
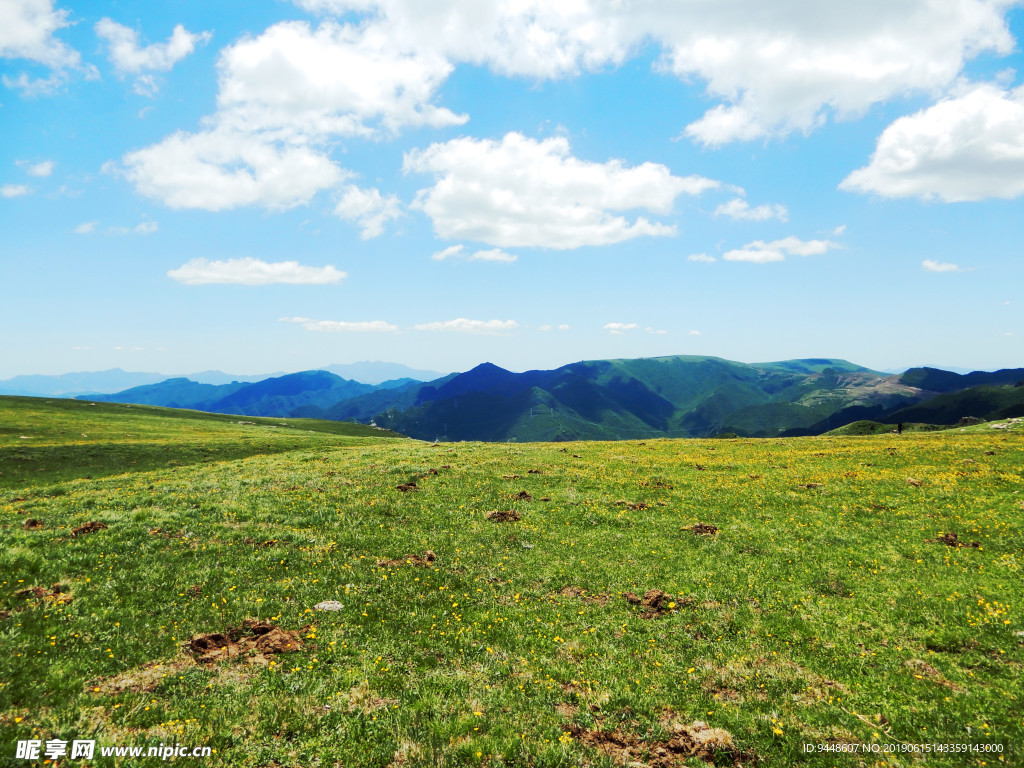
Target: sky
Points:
(268, 185)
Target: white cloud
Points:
(86, 228)
(761, 252)
(521, 192)
(839, 230)
(701, 257)
(452, 251)
(619, 328)
(342, 326)
(222, 169)
(458, 252)
(128, 57)
(337, 79)
(368, 208)
(967, 147)
(14, 190)
(655, 331)
(462, 325)
(143, 228)
(26, 32)
(563, 327)
(776, 67)
(44, 168)
(739, 209)
(694, 333)
(250, 271)
(930, 265)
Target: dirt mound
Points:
(631, 504)
(535, 472)
(510, 477)
(91, 527)
(423, 561)
(952, 540)
(654, 602)
(32, 524)
(701, 529)
(522, 496)
(915, 482)
(504, 516)
(255, 640)
(698, 739)
(57, 594)
(407, 487)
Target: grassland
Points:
(813, 594)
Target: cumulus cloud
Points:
(967, 147)
(14, 190)
(27, 30)
(222, 169)
(368, 208)
(739, 209)
(336, 79)
(619, 328)
(523, 192)
(462, 325)
(86, 228)
(284, 95)
(761, 252)
(930, 265)
(250, 271)
(701, 257)
(342, 326)
(458, 252)
(775, 67)
(128, 57)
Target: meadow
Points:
(823, 601)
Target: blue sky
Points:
(268, 186)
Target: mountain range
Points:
(117, 380)
(676, 396)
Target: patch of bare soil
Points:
(631, 504)
(407, 487)
(504, 516)
(255, 640)
(952, 540)
(522, 496)
(654, 602)
(91, 527)
(57, 594)
(701, 529)
(698, 739)
(423, 561)
(510, 477)
(32, 524)
(535, 472)
(582, 594)
(259, 544)
(915, 482)
(143, 679)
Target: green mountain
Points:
(278, 396)
(677, 396)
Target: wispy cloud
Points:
(740, 210)
(701, 257)
(342, 326)
(462, 325)
(930, 265)
(250, 271)
(86, 228)
(761, 252)
(458, 252)
(14, 190)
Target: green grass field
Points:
(813, 595)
